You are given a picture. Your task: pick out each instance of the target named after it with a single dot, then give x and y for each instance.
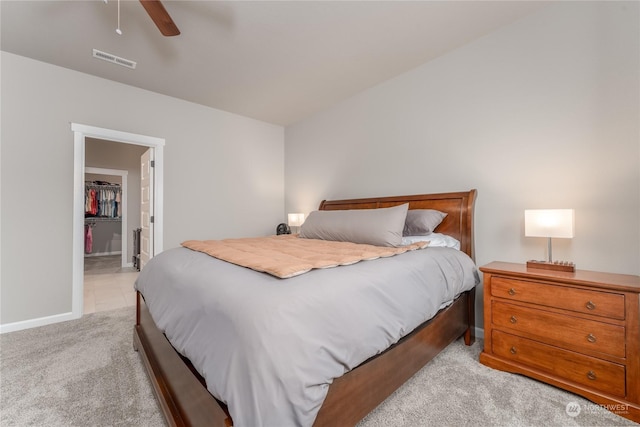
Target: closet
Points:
(103, 218)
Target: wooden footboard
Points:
(185, 401)
(352, 396)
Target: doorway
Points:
(83, 134)
(114, 224)
(110, 211)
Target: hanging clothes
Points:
(88, 239)
(102, 200)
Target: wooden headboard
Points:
(459, 208)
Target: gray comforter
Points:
(269, 348)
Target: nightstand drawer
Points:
(561, 330)
(597, 374)
(604, 304)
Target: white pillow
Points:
(435, 240)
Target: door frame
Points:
(80, 132)
(124, 246)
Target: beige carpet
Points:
(454, 389)
(86, 373)
(78, 373)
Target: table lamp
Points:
(295, 220)
(550, 223)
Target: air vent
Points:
(114, 59)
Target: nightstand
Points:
(579, 331)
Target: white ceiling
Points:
(276, 61)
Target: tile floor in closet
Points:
(107, 285)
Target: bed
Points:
(182, 391)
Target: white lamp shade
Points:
(295, 219)
(549, 223)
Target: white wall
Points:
(543, 113)
(223, 173)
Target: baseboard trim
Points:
(34, 323)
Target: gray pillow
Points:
(379, 227)
(421, 222)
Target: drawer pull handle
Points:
(591, 338)
(513, 319)
(513, 350)
(512, 291)
(590, 305)
(591, 375)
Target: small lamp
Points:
(295, 220)
(550, 223)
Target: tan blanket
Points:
(288, 256)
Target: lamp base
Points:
(552, 265)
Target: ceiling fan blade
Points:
(160, 17)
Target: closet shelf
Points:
(101, 219)
(114, 187)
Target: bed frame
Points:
(182, 393)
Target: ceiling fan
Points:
(160, 17)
